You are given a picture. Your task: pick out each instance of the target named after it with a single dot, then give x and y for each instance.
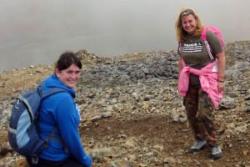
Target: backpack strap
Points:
(209, 50)
(204, 39)
(52, 136)
(45, 94)
(204, 34)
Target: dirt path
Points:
(173, 140)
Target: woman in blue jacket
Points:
(59, 118)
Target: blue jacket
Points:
(59, 114)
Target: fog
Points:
(37, 32)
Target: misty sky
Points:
(34, 32)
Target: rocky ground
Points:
(132, 115)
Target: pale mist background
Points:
(38, 31)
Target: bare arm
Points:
(221, 68)
(221, 65)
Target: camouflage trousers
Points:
(199, 111)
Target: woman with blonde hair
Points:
(198, 68)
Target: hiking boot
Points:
(198, 145)
(216, 152)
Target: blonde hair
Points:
(180, 32)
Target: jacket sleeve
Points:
(68, 120)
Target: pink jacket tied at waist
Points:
(208, 76)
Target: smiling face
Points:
(69, 76)
(189, 23)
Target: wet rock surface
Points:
(132, 115)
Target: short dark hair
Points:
(66, 60)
